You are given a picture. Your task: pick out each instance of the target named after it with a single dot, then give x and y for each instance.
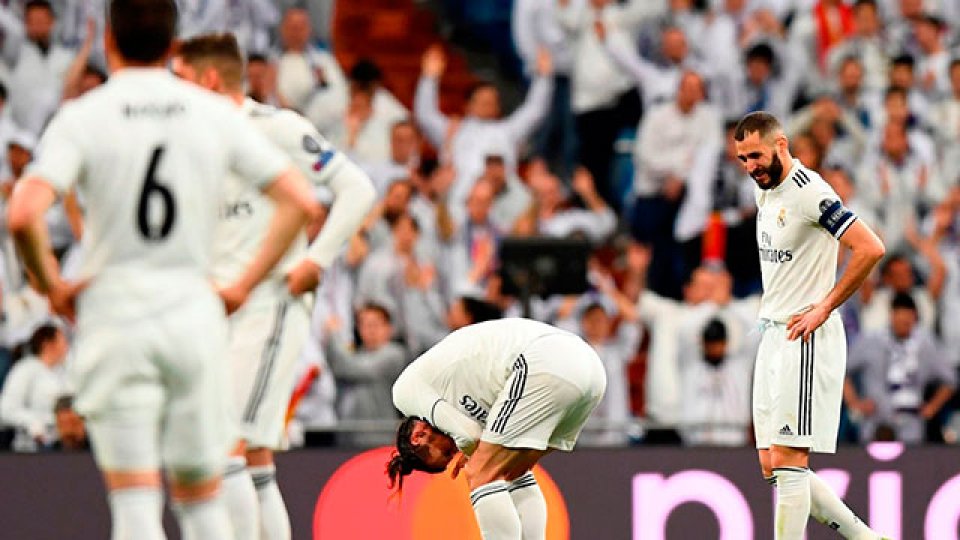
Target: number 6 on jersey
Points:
(152, 187)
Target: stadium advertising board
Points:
(643, 494)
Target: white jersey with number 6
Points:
(148, 155)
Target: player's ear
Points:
(781, 143)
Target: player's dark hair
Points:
(405, 459)
(760, 122)
(903, 301)
(41, 336)
(40, 4)
(221, 51)
(376, 308)
(480, 311)
(143, 29)
(714, 331)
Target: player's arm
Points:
(354, 195)
(56, 169)
(293, 206)
(865, 251)
(414, 397)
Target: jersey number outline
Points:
(151, 188)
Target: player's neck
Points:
(237, 97)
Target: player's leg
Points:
(198, 428)
(531, 506)
(275, 523)
(265, 408)
(490, 473)
(251, 329)
(826, 507)
(120, 395)
(790, 466)
(240, 496)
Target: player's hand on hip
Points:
(459, 465)
(805, 323)
(63, 298)
(233, 297)
(304, 277)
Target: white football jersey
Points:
(798, 225)
(245, 213)
(470, 367)
(148, 155)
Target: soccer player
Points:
(505, 393)
(148, 154)
(268, 333)
(798, 379)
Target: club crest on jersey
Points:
(782, 218)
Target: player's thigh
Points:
(264, 409)
(764, 383)
(120, 393)
(829, 359)
(491, 462)
(529, 410)
(198, 420)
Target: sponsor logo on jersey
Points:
(769, 253)
(236, 209)
(473, 408)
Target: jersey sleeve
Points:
(253, 157)
(59, 157)
(311, 153)
(821, 205)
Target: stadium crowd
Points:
(623, 139)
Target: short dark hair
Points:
(257, 57)
(143, 29)
(366, 72)
(41, 336)
(221, 51)
(760, 51)
(714, 331)
(903, 60)
(760, 122)
(479, 310)
(40, 4)
(376, 308)
(405, 459)
(903, 301)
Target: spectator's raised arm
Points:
(535, 107)
(426, 102)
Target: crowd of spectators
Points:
(869, 93)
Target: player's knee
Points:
(785, 456)
(259, 457)
(193, 483)
(480, 476)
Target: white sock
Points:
(793, 502)
(135, 513)
(203, 520)
(496, 515)
(274, 521)
(828, 509)
(241, 499)
(531, 506)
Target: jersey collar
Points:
(794, 168)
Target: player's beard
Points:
(772, 173)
